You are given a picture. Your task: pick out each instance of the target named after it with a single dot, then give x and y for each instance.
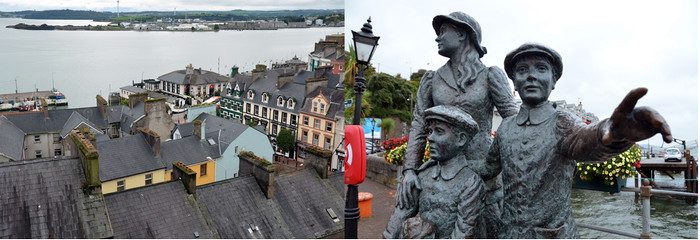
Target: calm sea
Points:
(83, 64)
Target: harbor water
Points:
(83, 64)
(670, 217)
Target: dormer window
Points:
(251, 94)
(290, 103)
(315, 109)
(265, 97)
(280, 101)
(323, 107)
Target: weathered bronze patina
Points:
(451, 199)
(464, 81)
(536, 150)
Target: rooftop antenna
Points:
(117, 8)
(16, 89)
(53, 87)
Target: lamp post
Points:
(365, 42)
(372, 138)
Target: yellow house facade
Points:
(206, 172)
(315, 128)
(134, 181)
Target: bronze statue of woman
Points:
(463, 81)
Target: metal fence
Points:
(645, 191)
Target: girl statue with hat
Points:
(465, 82)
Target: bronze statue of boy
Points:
(451, 196)
(536, 150)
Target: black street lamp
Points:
(372, 139)
(365, 42)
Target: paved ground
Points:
(382, 208)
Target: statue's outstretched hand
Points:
(628, 123)
(404, 193)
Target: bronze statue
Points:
(464, 81)
(451, 199)
(536, 151)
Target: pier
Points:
(16, 101)
(650, 165)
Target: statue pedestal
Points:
(597, 184)
(365, 203)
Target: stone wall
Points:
(381, 171)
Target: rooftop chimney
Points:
(284, 78)
(318, 159)
(186, 175)
(261, 169)
(152, 139)
(102, 104)
(136, 98)
(234, 71)
(258, 72)
(189, 69)
(45, 108)
(89, 157)
(199, 129)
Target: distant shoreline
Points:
(23, 26)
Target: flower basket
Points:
(608, 176)
(598, 184)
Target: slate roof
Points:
(229, 130)
(129, 115)
(12, 140)
(133, 89)
(233, 205)
(35, 122)
(162, 210)
(268, 84)
(44, 199)
(74, 121)
(126, 156)
(114, 113)
(338, 182)
(197, 78)
(186, 129)
(335, 97)
(189, 150)
(303, 199)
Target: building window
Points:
(306, 120)
(290, 103)
(247, 107)
(284, 117)
(264, 112)
(121, 185)
(274, 129)
(293, 120)
(38, 153)
(37, 138)
(255, 110)
(250, 94)
(317, 123)
(203, 170)
(304, 136)
(315, 107)
(329, 126)
(56, 138)
(323, 107)
(57, 152)
(316, 139)
(327, 144)
(280, 101)
(274, 115)
(265, 97)
(149, 179)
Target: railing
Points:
(645, 191)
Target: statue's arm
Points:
(471, 202)
(418, 133)
(500, 93)
(493, 163)
(584, 142)
(393, 228)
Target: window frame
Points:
(121, 187)
(203, 170)
(148, 179)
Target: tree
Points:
(364, 113)
(216, 27)
(416, 76)
(387, 126)
(285, 140)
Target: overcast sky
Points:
(608, 47)
(168, 5)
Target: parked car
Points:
(672, 154)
